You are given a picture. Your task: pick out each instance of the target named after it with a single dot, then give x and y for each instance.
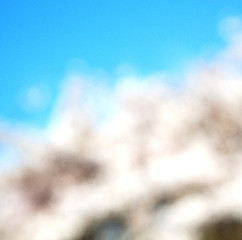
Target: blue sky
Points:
(40, 41)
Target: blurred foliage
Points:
(110, 228)
(223, 229)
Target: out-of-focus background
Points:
(120, 120)
(43, 43)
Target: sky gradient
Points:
(41, 42)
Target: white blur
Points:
(149, 161)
